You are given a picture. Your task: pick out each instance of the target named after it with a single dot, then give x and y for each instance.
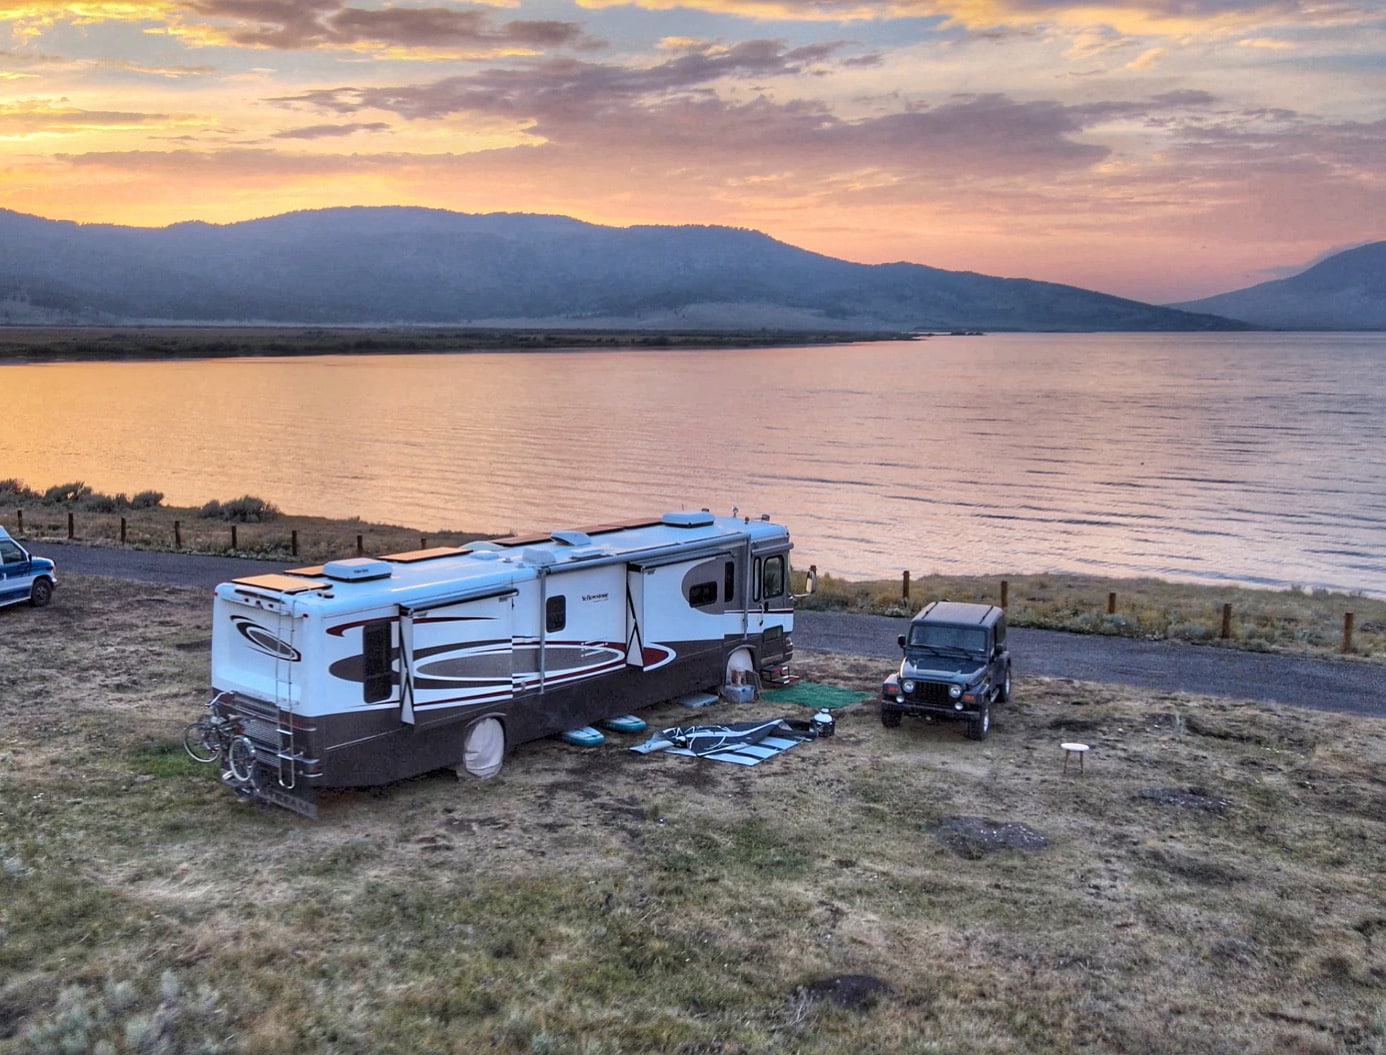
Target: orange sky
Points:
(1158, 149)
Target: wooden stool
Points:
(1074, 750)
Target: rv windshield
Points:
(932, 637)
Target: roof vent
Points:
(356, 569)
(573, 538)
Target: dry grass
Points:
(1208, 885)
(1296, 620)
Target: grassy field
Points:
(1209, 883)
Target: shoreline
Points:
(106, 343)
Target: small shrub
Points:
(244, 510)
(96, 502)
(62, 493)
(147, 500)
(15, 491)
(1191, 632)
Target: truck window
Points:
(10, 552)
(375, 657)
(774, 576)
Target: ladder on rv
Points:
(284, 705)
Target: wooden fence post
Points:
(1111, 604)
(905, 587)
(20, 513)
(122, 531)
(1005, 592)
(423, 543)
(1347, 631)
(233, 536)
(177, 535)
(293, 542)
(1226, 621)
(360, 549)
(71, 531)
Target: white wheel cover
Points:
(485, 746)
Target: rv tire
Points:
(484, 749)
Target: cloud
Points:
(37, 117)
(1162, 17)
(329, 131)
(295, 25)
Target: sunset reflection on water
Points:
(1246, 457)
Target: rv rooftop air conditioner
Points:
(688, 520)
(356, 569)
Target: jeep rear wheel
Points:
(1004, 694)
(890, 716)
(979, 727)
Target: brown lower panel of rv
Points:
(376, 747)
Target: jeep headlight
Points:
(908, 686)
(954, 691)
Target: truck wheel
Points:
(40, 593)
(484, 748)
(890, 716)
(1004, 695)
(979, 727)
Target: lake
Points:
(1247, 458)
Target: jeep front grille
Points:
(931, 692)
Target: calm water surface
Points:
(1247, 458)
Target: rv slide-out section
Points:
(368, 670)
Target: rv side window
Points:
(375, 657)
(702, 594)
(774, 576)
(555, 613)
(729, 586)
(755, 581)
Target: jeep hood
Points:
(942, 668)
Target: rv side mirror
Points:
(901, 639)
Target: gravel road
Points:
(1322, 683)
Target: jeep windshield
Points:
(947, 640)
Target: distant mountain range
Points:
(385, 266)
(390, 266)
(1345, 292)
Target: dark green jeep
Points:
(956, 665)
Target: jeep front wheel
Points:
(979, 727)
(890, 716)
(1005, 694)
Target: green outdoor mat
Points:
(811, 694)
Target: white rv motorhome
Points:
(368, 670)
